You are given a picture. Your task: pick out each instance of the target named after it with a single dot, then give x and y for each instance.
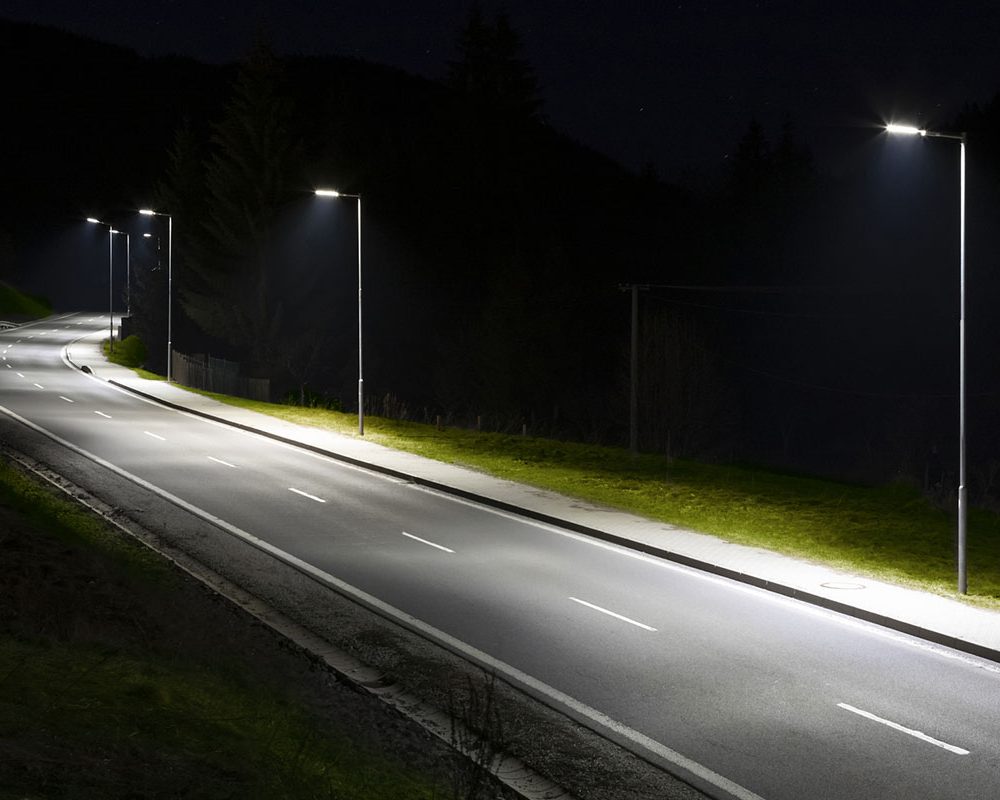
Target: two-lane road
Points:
(756, 694)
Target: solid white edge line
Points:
(306, 494)
(642, 625)
(512, 673)
(773, 597)
(828, 615)
(424, 541)
(220, 461)
(897, 727)
(155, 435)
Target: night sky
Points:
(671, 84)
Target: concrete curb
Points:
(927, 634)
(511, 772)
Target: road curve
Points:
(755, 694)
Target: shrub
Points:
(130, 352)
(307, 398)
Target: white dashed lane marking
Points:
(623, 618)
(306, 494)
(429, 544)
(961, 751)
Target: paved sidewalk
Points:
(926, 615)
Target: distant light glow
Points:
(147, 236)
(147, 212)
(907, 130)
(95, 221)
(327, 193)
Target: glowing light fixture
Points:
(361, 380)
(906, 130)
(962, 506)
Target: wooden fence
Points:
(217, 375)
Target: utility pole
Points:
(633, 405)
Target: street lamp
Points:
(909, 130)
(361, 382)
(111, 276)
(128, 274)
(148, 212)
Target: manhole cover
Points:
(842, 585)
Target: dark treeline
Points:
(787, 316)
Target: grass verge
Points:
(119, 678)
(21, 306)
(891, 533)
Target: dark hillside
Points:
(511, 241)
(88, 124)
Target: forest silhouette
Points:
(787, 316)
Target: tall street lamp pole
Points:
(361, 381)
(128, 275)
(148, 212)
(909, 130)
(111, 276)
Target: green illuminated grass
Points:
(107, 721)
(20, 305)
(115, 684)
(891, 533)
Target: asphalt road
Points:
(754, 694)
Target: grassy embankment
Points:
(116, 683)
(18, 307)
(891, 533)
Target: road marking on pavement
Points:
(826, 615)
(39, 386)
(220, 461)
(20, 375)
(656, 751)
(102, 414)
(430, 544)
(613, 614)
(64, 397)
(155, 435)
(306, 494)
(897, 727)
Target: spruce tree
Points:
(490, 70)
(250, 174)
